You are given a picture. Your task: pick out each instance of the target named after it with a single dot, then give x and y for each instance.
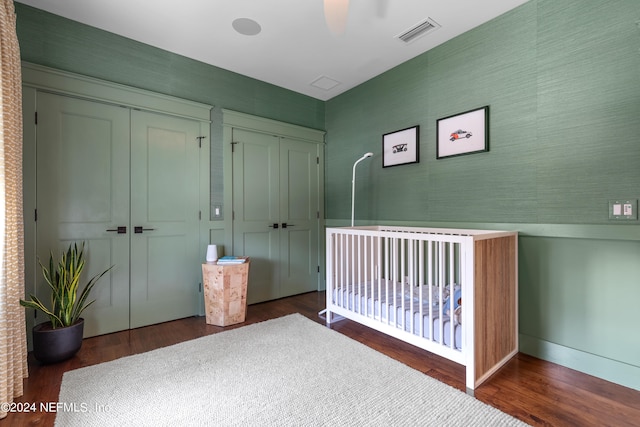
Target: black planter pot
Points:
(55, 345)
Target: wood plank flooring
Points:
(537, 392)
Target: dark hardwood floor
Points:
(537, 392)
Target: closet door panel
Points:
(299, 210)
(256, 209)
(82, 181)
(165, 263)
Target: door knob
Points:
(285, 225)
(275, 225)
(138, 229)
(119, 230)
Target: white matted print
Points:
(463, 133)
(400, 147)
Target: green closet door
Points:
(82, 183)
(275, 206)
(299, 209)
(165, 263)
(256, 210)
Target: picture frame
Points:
(401, 147)
(463, 133)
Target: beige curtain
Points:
(13, 344)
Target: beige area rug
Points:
(288, 371)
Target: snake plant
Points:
(64, 281)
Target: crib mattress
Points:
(398, 309)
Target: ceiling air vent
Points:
(325, 83)
(418, 30)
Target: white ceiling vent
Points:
(418, 30)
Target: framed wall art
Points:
(400, 147)
(463, 133)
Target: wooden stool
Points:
(225, 293)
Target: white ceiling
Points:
(295, 46)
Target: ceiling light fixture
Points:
(335, 13)
(246, 26)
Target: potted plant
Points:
(61, 337)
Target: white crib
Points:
(452, 292)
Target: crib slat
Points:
(338, 267)
(343, 262)
(394, 277)
(401, 279)
(452, 301)
(378, 274)
(441, 285)
(361, 286)
(386, 277)
(407, 294)
(421, 286)
(367, 282)
(430, 282)
(345, 254)
(412, 283)
(354, 269)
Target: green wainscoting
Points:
(579, 304)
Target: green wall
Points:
(561, 80)
(60, 43)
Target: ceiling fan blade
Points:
(381, 8)
(335, 13)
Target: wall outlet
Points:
(624, 210)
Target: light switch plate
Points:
(623, 209)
